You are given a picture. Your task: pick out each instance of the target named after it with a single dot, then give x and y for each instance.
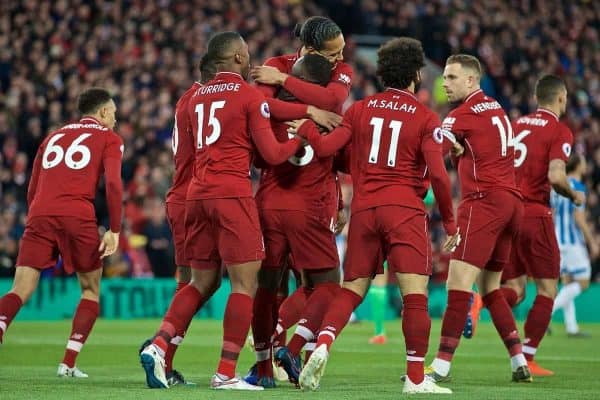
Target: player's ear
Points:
(238, 58)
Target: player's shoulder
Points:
(343, 72)
(283, 62)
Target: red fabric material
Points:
(337, 316)
(537, 322)
(453, 323)
(10, 304)
(236, 324)
(416, 326)
(510, 295)
(504, 321)
(85, 316)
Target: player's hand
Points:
(341, 222)
(457, 149)
(326, 119)
(294, 126)
(452, 241)
(268, 75)
(109, 244)
(579, 198)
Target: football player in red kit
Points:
(542, 148)
(395, 142)
(61, 218)
(230, 120)
(488, 216)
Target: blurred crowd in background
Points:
(147, 52)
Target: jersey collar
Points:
(545, 110)
(405, 92)
(227, 74)
(88, 118)
(473, 94)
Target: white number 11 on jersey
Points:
(377, 124)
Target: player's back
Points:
(182, 143)
(71, 162)
(538, 139)
(388, 166)
(221, 126)
(567, 231)
(483, 127)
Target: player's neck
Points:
(95, 118)
(471, 92)
(552, 108)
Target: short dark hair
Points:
(207, 68)
(220, 44)
(91, 99)
(466, 61)
(316, 69)
(573, 162)
(547, 88)
(315, 31)
(398, 61)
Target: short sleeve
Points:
(560, 148)
(456, 124)
(432, 137)
(258, 114)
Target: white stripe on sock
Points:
(2, 326)
(413, 358)
(310, 346)
(529, 350)
(517, 361)
(570, 317)
(263, 355)
(176, 340)
(328, 333)
(304, 332)
(75, 346)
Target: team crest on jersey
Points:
(438, 135)
(344, 78)
(264, 110)
(566, 147)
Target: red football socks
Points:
(10, 304)
(236, 324)
(265, 302)
(510, 295)
(83, 322)
(289, 313)
(416, 326)
(337, 316)
(504, 321)
(312, 316)
(453, 323)
(184, 306)
(536, 324)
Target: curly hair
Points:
(316, 31)
(398, 61)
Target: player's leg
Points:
(201, 251)
(364, 258)
(24, 284)
(378, 298)
(291, 309)
(37, 250)
(83, 321)
(544, 266)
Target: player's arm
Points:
(114, 186)
(557, 176)
(259, 125)
(581, 221)
(35, 174)
(438, 176)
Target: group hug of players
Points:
(289, 125)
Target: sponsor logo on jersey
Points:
(344, 78)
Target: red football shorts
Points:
(222, 229)
(488, 225)
(398, 234)
(46, 237)
(535, 250)
(309, 239)
(176, 219)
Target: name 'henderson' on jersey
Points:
(484, 129)
(67, 169)
(538, 139)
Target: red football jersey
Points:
(67, 168)
(182, 143)
(305, 182)
(538, 139)
(484, 129)
(229, 117)
(395, 143)
(330, 97)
